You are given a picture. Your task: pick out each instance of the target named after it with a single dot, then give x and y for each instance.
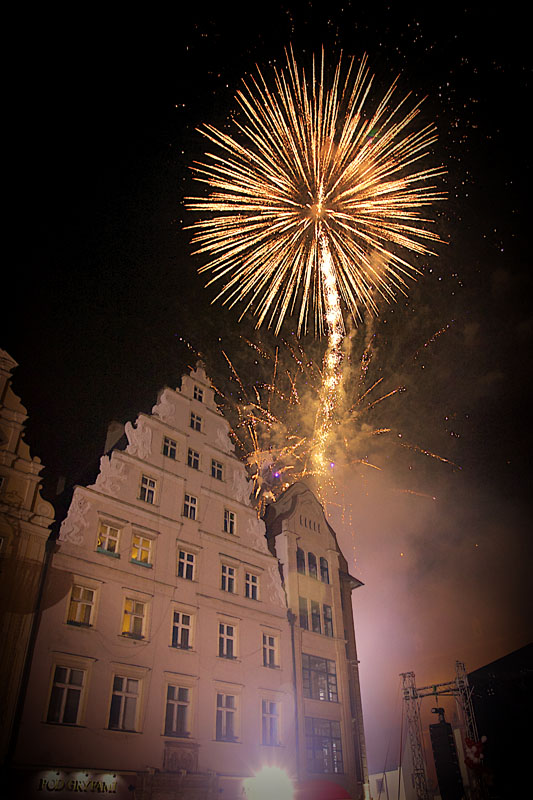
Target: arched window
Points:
(324, 570)
(300, 561)
(311, 562)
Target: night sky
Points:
(103, 292)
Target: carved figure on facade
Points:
(73, 527)
(274, 589)
(139, 438)
(223, 440)
(241, 486)
(112, 474)
(165, 409)
(256, 534)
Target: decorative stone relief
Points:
(223, 441)
(112, 474)
(139, 438)
(256, 532)
(73, 527)
(241, 486)
(274, 589)
(182, 755)
(164, 409)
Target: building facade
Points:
(25, 520)
(169, 661)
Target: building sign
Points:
(70, 784)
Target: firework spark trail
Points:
(311, 203)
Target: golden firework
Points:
(314, 195)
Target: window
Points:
(147, 492)
(123, 711)
(196, 422)
(170, 447)
(328, 620)
(190, 505)
(67, 688)
(311, 561)
(304, 619)
(80, 610)
(226, 640)
(226, 727)
(227, 579)
(300, 560)
(324, 570)
(186, 564)
(177, 711)
(181, 630)
(108, 538)
(319, 678)
(251, 586)
(270, 648)
(193, 458)
(198, 394)
(270, 722)
(323, 745)
(216, 469)
(134, 618)
(315, 617)
(229, 521)
(141, 550)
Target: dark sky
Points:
(103, 289)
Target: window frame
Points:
(303, 613)
(70, 665)
(178, 703)
(300, 561)
(193, 458)
(169, 445)
(317, 681)
(314, 743)
(143, 538)
(225, 712)
(324, 570)
(270, 649)
(134, 615)
(178, 627)
(228, 578)
(227, 642)
(251, 585)
(82, 602)
(217, 470)
(196, 422)
(267, 716)
(312, 566)
(125, 675)
(147, 491)
(198, 393)
(230, 521)
(186, 564)
(107, 535)
(328, 620)
(190, 506)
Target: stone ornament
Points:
(73, 527)
(139, 438)
(112, 474)
(164, 409)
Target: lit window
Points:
(328, 620)
(170, 447)
(323, 745)
(190, 505)
(229, 521)
(134, 618)
(141, 550)
(324, 570)
(270, 647)
(311, 561)
(216, 469)
(319, 678)
(270, 722)
(226, 725)
(251, 586)
(147, 492)
(227, 578)
(177, 711)
(80, 610)
(182, 631)
(108, 538)
(186, 564)
(123, 711)
(226, 640)
(196, 422)
(193, 459)
(65, 698)
(198, 394)
(300, 561)
(303, 613)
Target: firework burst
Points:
(312, 201)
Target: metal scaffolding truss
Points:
(412, 696)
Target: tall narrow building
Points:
(25, 520)
(169, 662)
